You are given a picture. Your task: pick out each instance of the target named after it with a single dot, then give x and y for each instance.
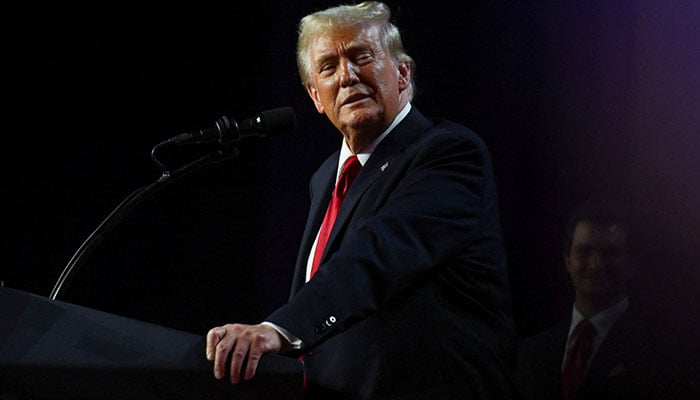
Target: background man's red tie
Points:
(351, 168)
(577, 360)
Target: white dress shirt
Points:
(603, 323)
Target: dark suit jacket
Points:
(411, 299)
(637, 360)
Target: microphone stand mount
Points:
(225, 151)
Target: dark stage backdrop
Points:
(573, 99)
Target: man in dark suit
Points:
(406, 295)
(624, 353)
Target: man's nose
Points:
(348, 73)
(597, 260)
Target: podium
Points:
(57, 350)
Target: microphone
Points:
(227, 129)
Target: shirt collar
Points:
(604, 320)
(363, 155)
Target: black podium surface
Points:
(56, 350)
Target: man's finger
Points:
(237, 358)
(253, 360)
(221, 352)
(213, 337)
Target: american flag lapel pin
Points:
(383, 167)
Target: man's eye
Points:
(363, 57)
(585, 251)
(613, 253)
(326, 68)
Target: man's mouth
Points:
(354, 98)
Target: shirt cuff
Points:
(294, 342)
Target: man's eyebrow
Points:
(324, 57)
(349, 48)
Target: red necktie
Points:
(351, 168)
(577, 360)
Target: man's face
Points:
(598, 261)
(355, 81)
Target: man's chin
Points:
(361, 119)
(360, 114)
(600, 291)
(593, 287)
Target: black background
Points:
(572, 99)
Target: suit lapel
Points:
(551, 367)
(323, 182)
(380, 161)
(624, 343)
(368, 175)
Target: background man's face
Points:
(598, 260)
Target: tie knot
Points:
(585, 329)
(351, 164)
(351, 168)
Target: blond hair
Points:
(316, 24)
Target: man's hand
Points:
(242, 342)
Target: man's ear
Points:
(404, 75)
(313, 93)
(567, 262)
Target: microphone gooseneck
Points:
(227, 130)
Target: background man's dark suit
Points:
(412, 291)
(635, 361)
